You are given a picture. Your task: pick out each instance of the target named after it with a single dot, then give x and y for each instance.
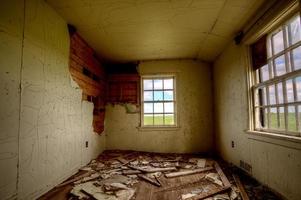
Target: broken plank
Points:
(152, 170)
(149, 180)
(222, 175)
(187, 172)
(206, 195)
(130, 172)
(242, 191)
(122, 160)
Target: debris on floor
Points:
(117, 175)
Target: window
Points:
(158, 101)
(277, 88)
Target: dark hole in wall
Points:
(124, 68)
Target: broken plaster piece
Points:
(95, 192)
(221, 197)
(214, 177)
(187, 196)
(115, 186)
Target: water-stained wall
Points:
(275, 162)
(194, 108)
(44, 123)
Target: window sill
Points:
(275, 136)
(172, 128)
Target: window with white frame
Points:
(158, 101)
(277, 88)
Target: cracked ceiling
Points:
(132, 30)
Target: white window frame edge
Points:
(176, 117)
(270, 25)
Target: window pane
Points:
(296, 54)
(168, 83)
(158, 119)
(280, 65)
(169, 119)
(278, 44)
(272, 94)
(264, 73)
(291, 122)
(168, 95)
(148, 120)
(273, 118)
(295, 30)
(158, 107)
(169, 107)
(289, 91)
(257, 118)
(148, 96)
(298, 87)
(280, 93)
(158, 84)
(147, 84)
(158, 95)
(148, 107)
(281, 118)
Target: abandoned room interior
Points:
(150, 99)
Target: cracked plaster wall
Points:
(194, 100)
(275, 162)
(45, 124)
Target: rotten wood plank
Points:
(152, 170)
(242, 191)
(131, 172)
(187, 172)
(222, 175)
(149, 180)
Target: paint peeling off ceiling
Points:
(131, 30)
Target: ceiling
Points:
(132, 30)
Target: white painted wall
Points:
(275, 162)
(54, 122)
(194, 100)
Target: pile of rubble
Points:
(115, 176)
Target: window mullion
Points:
(268, 104)
(285, 107)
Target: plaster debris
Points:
(189, 195)
(116, 178)
(201, 163)
(214, 177)
(221, 197)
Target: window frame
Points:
(153, 77)
(291, 74)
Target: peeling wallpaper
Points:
(194, 107)
(49, 138)
(275, 162)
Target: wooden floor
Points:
(171, 188)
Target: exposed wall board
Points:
(194, 111)
(275, 162)
(90, 75)
(54, 122)
(123, 88)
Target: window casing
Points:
(277, 88)
(158, 101)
